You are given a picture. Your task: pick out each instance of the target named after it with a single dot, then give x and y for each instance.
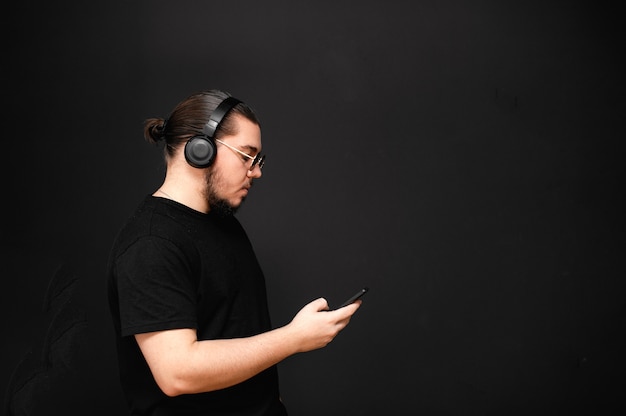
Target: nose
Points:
(255, 173)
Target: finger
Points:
(350, 309)
(343, 323)
(319, 304)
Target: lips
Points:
(246, 188)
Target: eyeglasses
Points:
(256, 160)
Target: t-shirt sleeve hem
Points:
(159, 326)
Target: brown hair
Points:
(189, 117)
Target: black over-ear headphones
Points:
(200, 150)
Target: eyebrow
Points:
(250, 148)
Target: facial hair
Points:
(217, 204)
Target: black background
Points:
(462, 159)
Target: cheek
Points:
(234, 173)
(227, 181)
(228, 167)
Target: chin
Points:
(223, 207)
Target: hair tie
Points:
(162, 130)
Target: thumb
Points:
(319, 304)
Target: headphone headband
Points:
(218, 114)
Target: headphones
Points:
(200, 150)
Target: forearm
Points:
(223, 363)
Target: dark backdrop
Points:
(462, 159)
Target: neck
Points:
(162, 192)
(186, 188)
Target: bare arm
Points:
(181, 364)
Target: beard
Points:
(218, 205)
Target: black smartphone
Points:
(356, 296)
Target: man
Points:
(186, 292)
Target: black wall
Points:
(462, 159)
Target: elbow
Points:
(170, 390)
(175, 384)
(172, 385)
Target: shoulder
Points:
(155, 225)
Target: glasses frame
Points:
(256, 160)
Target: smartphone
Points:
(356, 296)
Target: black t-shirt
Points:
(173, 267)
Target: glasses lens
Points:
(258, 160)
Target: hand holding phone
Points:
(353, 298)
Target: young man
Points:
(186, 292)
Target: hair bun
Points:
(158, 131)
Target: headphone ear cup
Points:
(200, 151)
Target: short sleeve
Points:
(155, 287)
